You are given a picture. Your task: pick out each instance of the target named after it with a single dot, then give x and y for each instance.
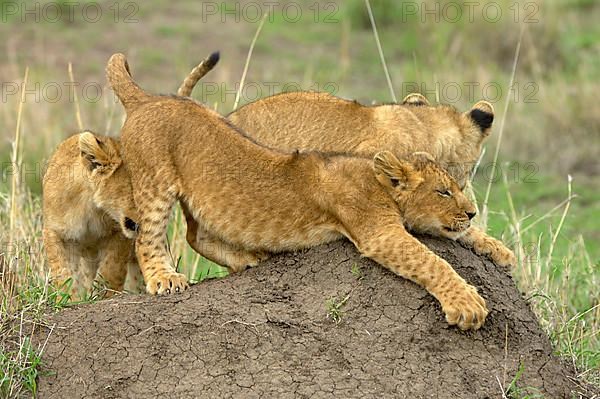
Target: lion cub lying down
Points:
(88, 227)
(245, 200)
(322, 122)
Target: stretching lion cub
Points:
(245, 200)
(84, 235)
(322, 122)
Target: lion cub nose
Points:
(471, 215)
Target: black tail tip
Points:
(213, 59)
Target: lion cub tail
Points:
(198, 73)
(119, 78)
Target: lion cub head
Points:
(109, 179)
(459, 135)
(431, 201)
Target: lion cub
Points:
(245, 200)
(322, 122)
(88, 227)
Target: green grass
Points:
(558, 269)
(535, 196)
(26, 301)
(513, 391)
(335, 307)
(356, 271)
(19, 368)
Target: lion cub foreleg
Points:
(484, 244)
(395, 249)
(58, 258)
(151, 243)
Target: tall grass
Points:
(564, 291)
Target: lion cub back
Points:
(320, 121)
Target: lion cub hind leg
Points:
(114, 258)
(484, 244)
(391, 246)
(154, 206)
(216, 250)
(134, 283)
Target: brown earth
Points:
(265, 333)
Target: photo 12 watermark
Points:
(51, 92)
(252, 12)
(93, 92)
(69, 11)
(469, 11)
(457, 92)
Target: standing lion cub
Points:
(244, 201)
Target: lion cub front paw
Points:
(166, 283)
(497, 251)
(465, 308)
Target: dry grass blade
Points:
(380, 49)
(15, 160)
(562, 220)
(549, 213)
(250, 50)
(77, 109)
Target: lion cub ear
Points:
(422, 157)
(394, 173)
(98, 154)
(482, 114)
(415, 99)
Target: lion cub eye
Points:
(444, 193)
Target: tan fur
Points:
(84, 214)
(244, 201)
(322, 122)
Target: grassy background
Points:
(552, 127)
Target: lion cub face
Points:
(431, 201)
(112, 191)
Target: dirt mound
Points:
(266, 333)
